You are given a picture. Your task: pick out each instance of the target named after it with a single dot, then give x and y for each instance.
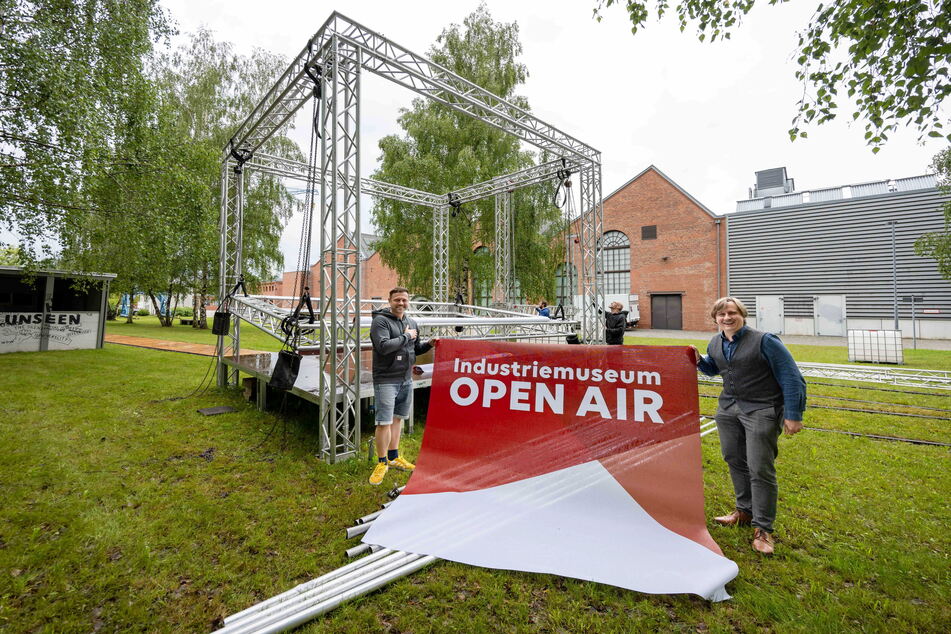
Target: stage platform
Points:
(261, 365)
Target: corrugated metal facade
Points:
(839, 247)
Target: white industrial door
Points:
(769, 313)
(830, 315)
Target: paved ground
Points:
(925, 344)
(201, 349)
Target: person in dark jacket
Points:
(763, 395)
(614, 323)
(395, 337)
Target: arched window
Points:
(566, 284)
(481, 284)
(616, 261)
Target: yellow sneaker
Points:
(379, 472)
(402, 464)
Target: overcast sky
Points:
(706, 114)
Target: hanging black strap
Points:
(564, 183)
(315, 72)
(240, 155)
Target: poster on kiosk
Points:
(580, 461)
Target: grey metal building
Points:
(823, 261)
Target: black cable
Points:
(913, 441)
(202, 388)
(856, 400)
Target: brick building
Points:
(663, 251)
(377, 278)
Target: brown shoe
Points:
(762, 541)
(736, 518)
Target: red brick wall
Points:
(686, 237)
(378, 278)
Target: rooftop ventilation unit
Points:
(773, 182)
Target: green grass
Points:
(123, 513)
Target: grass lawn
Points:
(124, 512)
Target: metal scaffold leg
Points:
(441, 253)
(231, 227)
(590, 227)
(340, 253)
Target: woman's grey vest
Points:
(748, 380)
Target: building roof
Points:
(368, 240)
(58, 273)
(669, 180)
(843, 192)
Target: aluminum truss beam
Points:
(400, 65)
(590, 230)
(289, 168)
(230, 260)
(516, 180)
(441, 253)
(333, 60)
(339, 305)
(907, 377)
(503, 249)
(438, 320)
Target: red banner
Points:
(559, 426)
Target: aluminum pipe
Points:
(329, 604)
(353, 531)
(333, 574)
(368, 518)
(279, 612)
(357, 550)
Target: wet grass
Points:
(124, 512)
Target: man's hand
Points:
(433, 342)
(696, 354)
(412, 333)
(791, 427)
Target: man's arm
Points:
(790, 379)
(383, 343)
(706, 364)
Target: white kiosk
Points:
(49, 310)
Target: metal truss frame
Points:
(503, 249)
(231, 226)
(907, 377)
(333, 60)
(401, 66)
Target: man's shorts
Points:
(393, 400)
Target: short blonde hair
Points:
(618, 304)
(721, 303)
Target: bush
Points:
(184, 312)
(143, 312)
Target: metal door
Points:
(830, 315)
(769, 313)
(666, 312)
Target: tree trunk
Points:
(201, 320)
(128, 318)
(158, 309)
